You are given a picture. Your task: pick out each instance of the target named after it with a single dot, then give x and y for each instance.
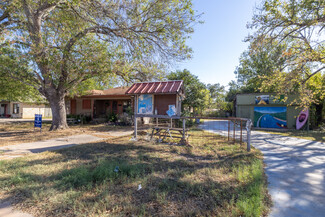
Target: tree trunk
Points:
(59, 119)
(319, 113)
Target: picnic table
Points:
(164, 132)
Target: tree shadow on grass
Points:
(167, 185)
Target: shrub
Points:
(112, 117)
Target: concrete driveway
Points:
(295, 169)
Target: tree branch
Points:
(4, 16)
(22, 80)
(314, 73)
(95, 29)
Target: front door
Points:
(120, 107)
(3, 109)
(114, 106)
(73, 106)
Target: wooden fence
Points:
(185, 129)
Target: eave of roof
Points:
(117, 91)
(163, 87)
(106, 96)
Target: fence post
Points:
(234, 131)
(228, 130)
(184, 129)
(248, 128)
(241, 131)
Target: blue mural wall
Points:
(270, 117)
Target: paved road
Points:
(14, 120)
(295, 169)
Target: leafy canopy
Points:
(67, 42)
(197, 97)
(11, 88)
(217, 96)
(297, 29)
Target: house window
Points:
(126, 106)
(86, 104)
(15, 108)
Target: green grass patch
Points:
(313, 135)
(251, 200)
(210, 178)
(109, 171)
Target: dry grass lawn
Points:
(208, 178)
(15, 133)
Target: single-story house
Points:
(267, 111)
(23, 109)
(120, 100)
(100, 103)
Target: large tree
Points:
(67, 42)
(197, 96)
(259, 62)
(299, 27)
(10, 88)
(217, 96)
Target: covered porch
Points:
(104, 107)
(100, 104)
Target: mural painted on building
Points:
(262, 99)
(267, 99)
(145, 104)
(270, 117)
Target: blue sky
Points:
(218, 43)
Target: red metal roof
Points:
(167, 87)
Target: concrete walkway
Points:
(295, 169)
(13, 151)
(6, 210)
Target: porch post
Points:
(135, 116)
(92, 103)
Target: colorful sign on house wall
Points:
(262, 100)
(267, 99)
(270, 117)
(145, 104)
